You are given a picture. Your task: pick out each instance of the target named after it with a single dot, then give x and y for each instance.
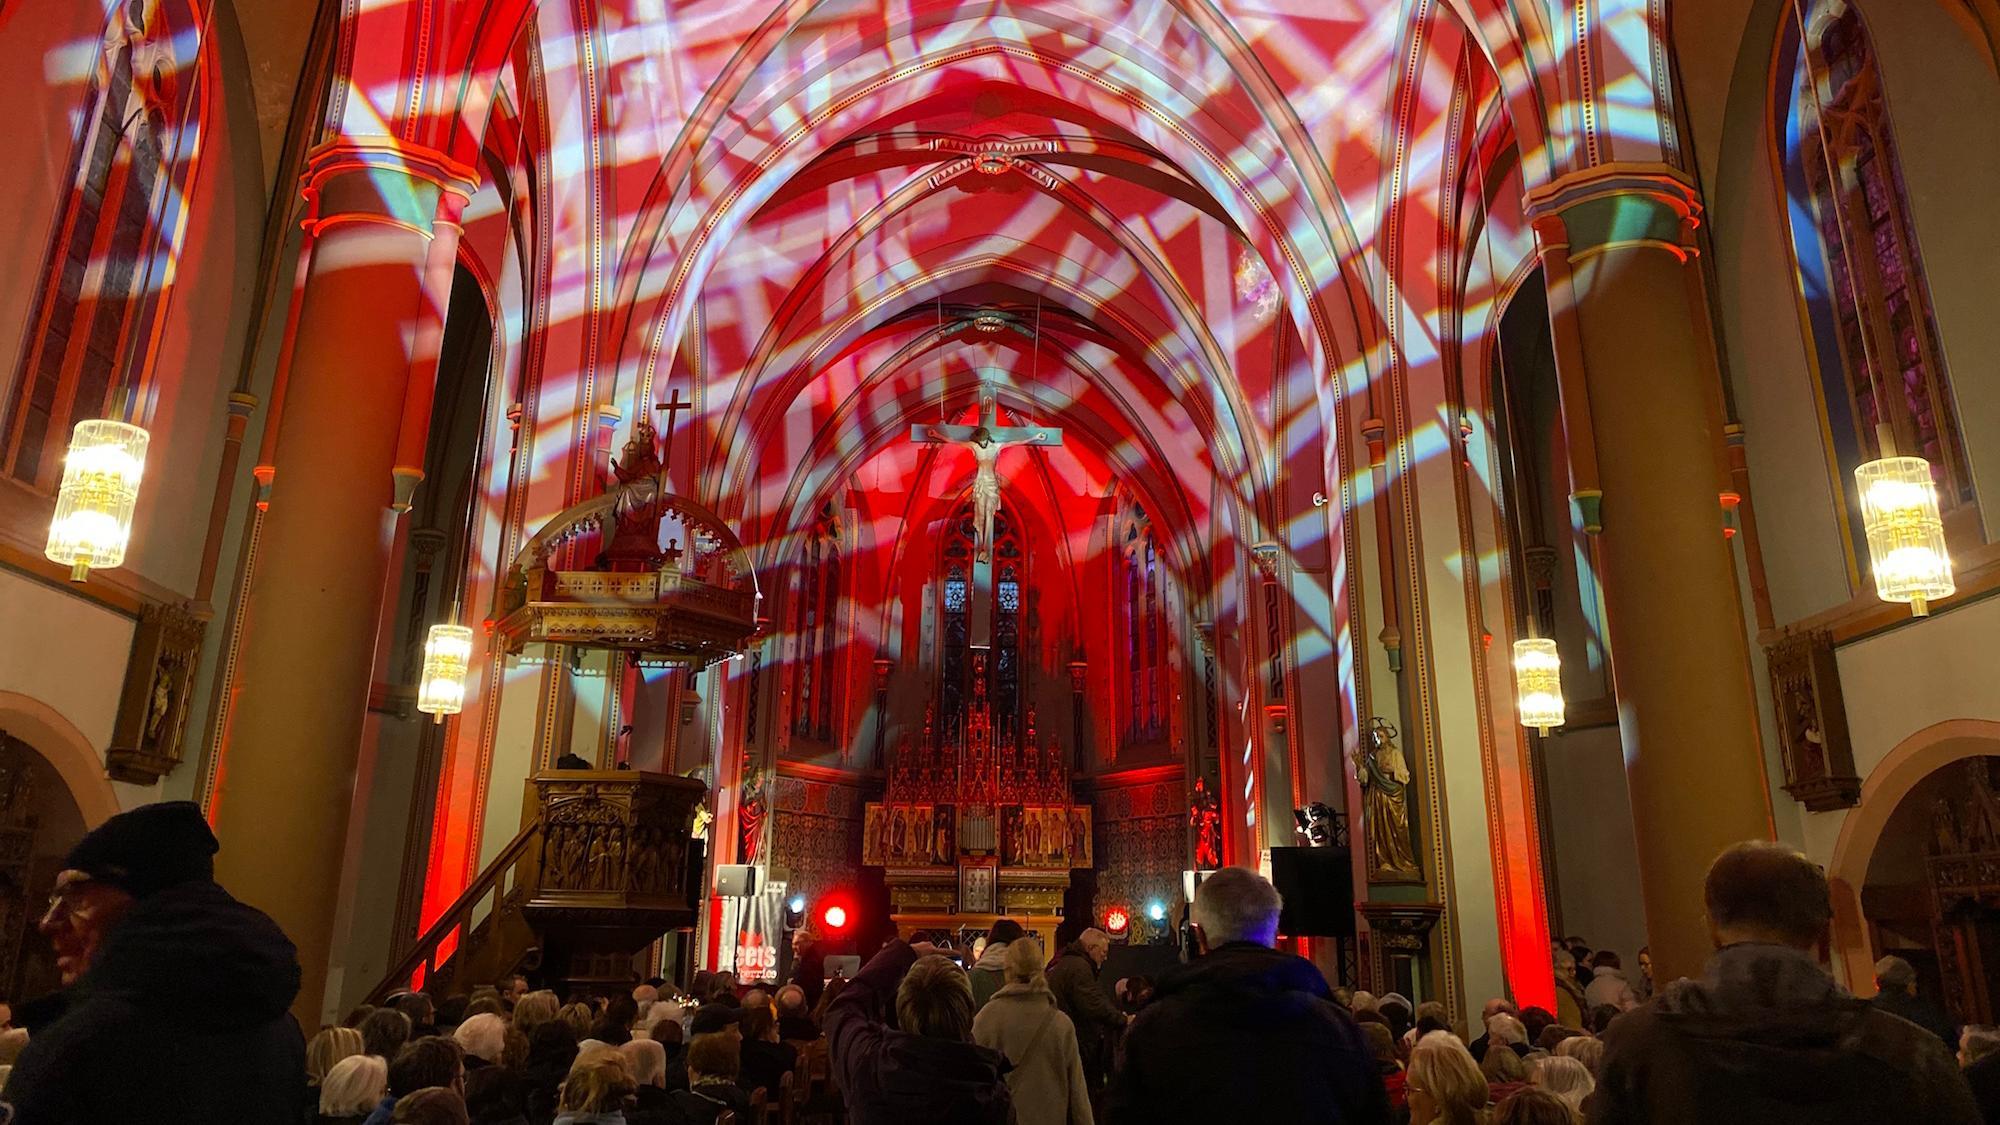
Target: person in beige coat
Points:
(1022, 1022)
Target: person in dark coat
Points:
(926, 1071)
(765, 1060)
(175, 999)
(1073, 980)
(1896, 993)
(1245, 1032)
(1766, 1036)
(1979, 1061)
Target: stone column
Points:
(1641, 404)
(312, 612)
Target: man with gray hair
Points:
(1245, 1032)
(1896, 993)
(1073, 980)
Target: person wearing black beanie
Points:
(176, 998)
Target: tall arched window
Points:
(1862, 281)
(819, 616)
(956, 574)
(1142, 627)
(96, 321)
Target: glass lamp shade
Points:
(1538, 689)
(447, 651)
(1906, 551)
(100, 489)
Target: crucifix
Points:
(673, 406)
(985, 439)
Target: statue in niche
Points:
(750, 814)
(1205, 817)
(1384, 774)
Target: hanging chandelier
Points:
(447, 653)
(100, 488)
(1538, 691)
(1906, 549)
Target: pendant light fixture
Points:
(1538, 692)
(100, 490)
(1906, 548)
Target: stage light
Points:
(795, 913)
(100, 489)
(1538, 692)
(1116, 921)
(1156, 910)
(1906, 549)
(447, 652)
(835, 917)
(798, 904)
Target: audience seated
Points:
(533, 1010)
(422, 1013)
(483, 1038)
(1498, 1006)
(351, 1090)
(1529, 1106)
(496, 1095)
(646, 1065)
(795, 1022)
(1382, 1048)
(432, 1105)
(1446, 1087)
(615, 1025)
(331, 1045)
(713, 1065)
(595, 1091)
(551, 1050)
(384, 1031)
(765, 1060)
(1503, 1069)
(1568, 1079)
(430, 1061)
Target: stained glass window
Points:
(95, 324)
(1010, 595)
(1862, 282)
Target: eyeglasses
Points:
(64, 897)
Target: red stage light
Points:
(1116, 920)
(835, 917)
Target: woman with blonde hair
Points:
(1021, 1021)
(1445, 1086)
(351, 1090)
(331, 1045)
(534, 1010)
(595, 1092)
(580, 1017)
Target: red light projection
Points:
(1231, 252)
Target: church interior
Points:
(593, 489)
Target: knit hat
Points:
(149, 849)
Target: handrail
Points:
(422, 953)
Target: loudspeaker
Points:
(735, 880)
(1318, 887)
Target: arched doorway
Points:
(1924, 807)
(40, 822)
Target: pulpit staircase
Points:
(606, 867)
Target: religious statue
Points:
(636, 510)
(1205, 817)
(1385, 779)
(985, 441)
(750, 814)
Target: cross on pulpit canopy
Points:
(673, 406)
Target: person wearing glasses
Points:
(175, 997)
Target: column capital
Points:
(1617, 206)
(385, 181)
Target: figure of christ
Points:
(986, 440)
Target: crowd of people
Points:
(176, 1008)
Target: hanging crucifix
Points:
(986, 440)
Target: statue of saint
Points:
(1385, 778)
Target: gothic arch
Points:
(58, 741)
(1892, 779)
